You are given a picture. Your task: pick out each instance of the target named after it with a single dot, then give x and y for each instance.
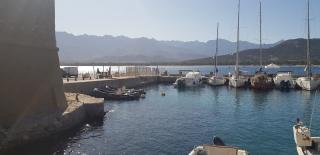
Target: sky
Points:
(188, 20)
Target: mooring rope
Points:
(313, 109)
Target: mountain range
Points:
(121, 49)
(289, 52)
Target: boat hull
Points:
(308, 83)
(261, 81)
(217, 150)
(284, 83)
(237, 82)
(216, 81)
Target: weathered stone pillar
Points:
(30, 78)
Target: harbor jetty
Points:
(87, 86)
(33, 103)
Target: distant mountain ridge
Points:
(290, 52)
(110, 49)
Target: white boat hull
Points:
(308, 84)
(216, 81)
(237, 82)
(217, 150)
(277, 82)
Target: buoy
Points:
(143, 96)
(163, 94)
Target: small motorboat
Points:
(115, 95)
(272, 65)
(192, 79)
(217, 148)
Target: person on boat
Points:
(298, 123)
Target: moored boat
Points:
(261, 80)
(217, 148)
(217, 79)
(305, 144)
(192, 79)
(107, 95)
(284, 80)
(237, 80)
(272, 65)
(110, 93)
(308, 82)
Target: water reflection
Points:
(308, 103)
(58, 143)
(260, 99)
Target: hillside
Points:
(291, 52)
(110, 49)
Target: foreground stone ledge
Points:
(80, 108)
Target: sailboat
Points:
(237, 80)
(308, 82)
(217, 79)
(261, 80)
(305, 144)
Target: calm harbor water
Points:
(260, 122)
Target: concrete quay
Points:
(86, 86)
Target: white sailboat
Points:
(305, 143)
(308, 82)
(217, 79)
(237, 80)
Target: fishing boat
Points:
(217, 79)
(237, 79)
(110, 93)
(308, 82)
(217, 148)
(192, 79)
(272, 65)
(261, 80)
(284, 80)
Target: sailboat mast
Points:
(217, 47)
(308, 44)
(238, 33)
(260, 37)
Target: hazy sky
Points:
(187, 20)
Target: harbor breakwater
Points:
(86, 87)
(81, 108)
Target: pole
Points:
(238, 35)
(216, 54)
(308, 45)
(260, 36)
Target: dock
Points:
(86, 86)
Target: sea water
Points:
(258, 121)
